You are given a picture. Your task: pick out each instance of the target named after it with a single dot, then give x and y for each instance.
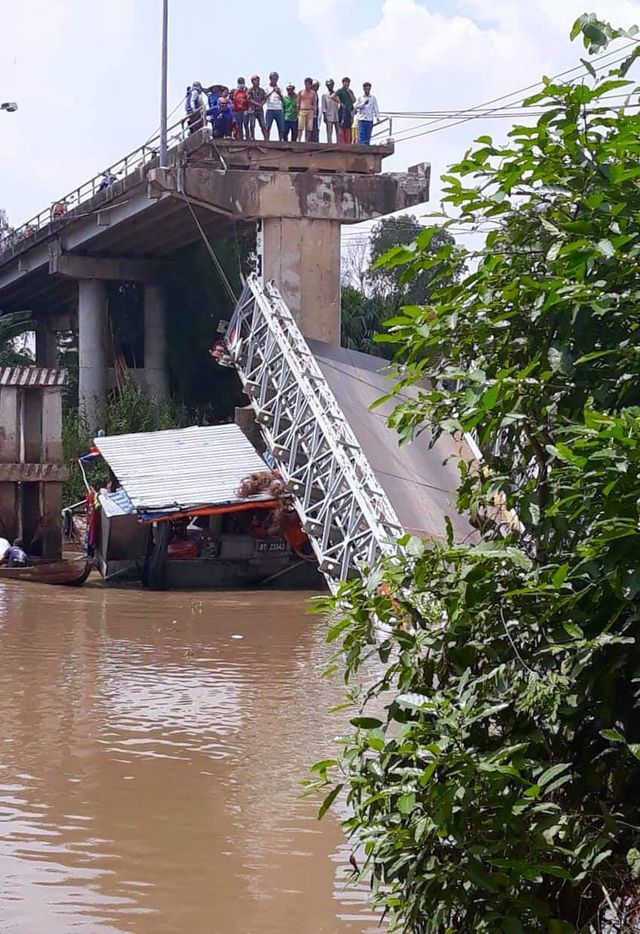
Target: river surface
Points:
(150, 762)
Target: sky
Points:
(85, 74)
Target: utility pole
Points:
(163, 84)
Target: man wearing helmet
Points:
(256, 98)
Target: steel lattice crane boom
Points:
(343, 509)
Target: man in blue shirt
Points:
(221, 117)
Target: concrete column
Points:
(51, 506)
(46, 344)
(9, 454)
(155, 341)
(92, 333)
(52, 426)
(31, 426)
(302, 256)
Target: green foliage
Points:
(13, 325)
(498, 790)
(197, 302)
(128, 409)
(389, 235)
(384, 286)
(362, 319)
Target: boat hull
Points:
(66, 572)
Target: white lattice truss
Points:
(344, 510)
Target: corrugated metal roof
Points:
(187, 467)
(31, 376)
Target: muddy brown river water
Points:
(150, 761)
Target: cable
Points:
(232, 295)
(471, 110)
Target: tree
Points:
(373, 293)
(13, 325)
(498, 792)
(362, 319)
(390, 281)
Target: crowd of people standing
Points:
(297, 115)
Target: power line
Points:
(505, 97)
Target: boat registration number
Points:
(271, 546)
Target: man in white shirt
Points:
(275, 112)
(330, 111)
(368, 113)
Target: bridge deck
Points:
(133, 218)
(419, 481)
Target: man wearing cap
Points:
(240, 104)
(256, 97)
(368, 112)
(330, 110)
(290, 110)
(275, 100)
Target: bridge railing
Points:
(383, 131)
(125, 166)
(133, 161)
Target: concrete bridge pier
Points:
(46, 343)
(300, 199)
(155, 341)
(92, 349)
(302, 255)
(92, 274)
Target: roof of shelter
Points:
(187, 468)
(31, 376)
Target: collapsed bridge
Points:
(298, 195)
(354, 488)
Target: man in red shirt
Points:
(240, 103)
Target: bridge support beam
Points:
(301, 213)
(92, 341)
(155, 341)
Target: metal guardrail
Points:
(383, 131)
(133, 161)
(344, 510)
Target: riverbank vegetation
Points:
(499, 792)
(373, 292)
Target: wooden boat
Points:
(71, 572)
